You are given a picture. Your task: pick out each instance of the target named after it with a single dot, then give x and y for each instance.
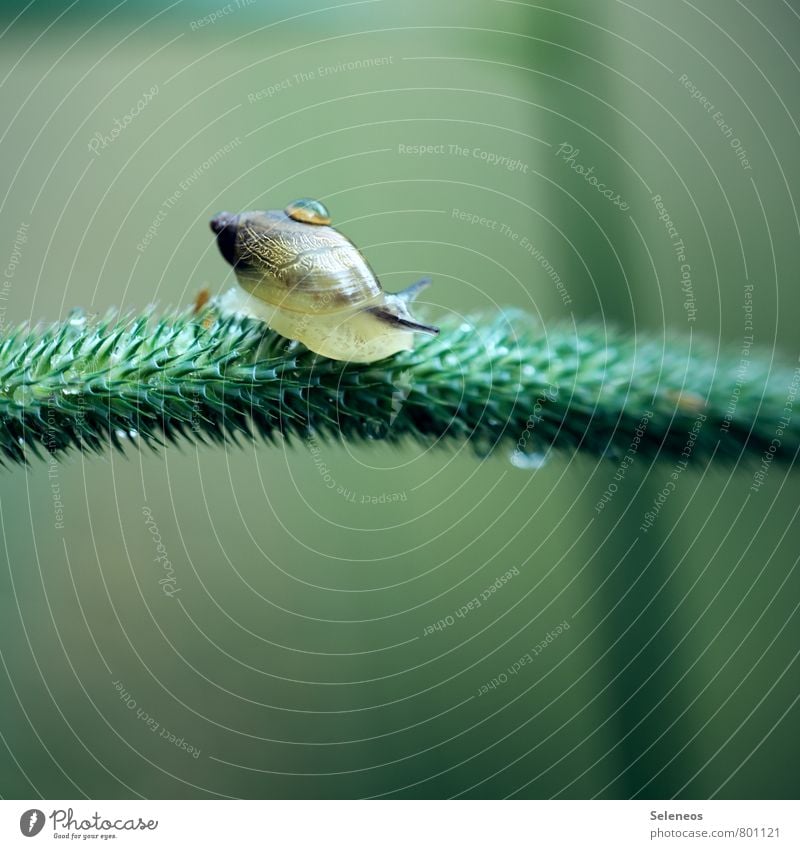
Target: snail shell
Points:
(311, 283)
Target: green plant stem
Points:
(499, 382)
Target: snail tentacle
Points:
(410, 292)
(401, 321)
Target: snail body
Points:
(310, 283)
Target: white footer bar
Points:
(388, 824)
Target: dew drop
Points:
(22, 395)
(77, 318)
(376, 429)
(527, 461)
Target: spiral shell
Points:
(311, 283)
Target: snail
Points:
(310, 283)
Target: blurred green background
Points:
(297, 653)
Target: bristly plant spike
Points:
(502, 383)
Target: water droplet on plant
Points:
(22, 395)
(528, 461)
(376, 429)
(77, 318)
